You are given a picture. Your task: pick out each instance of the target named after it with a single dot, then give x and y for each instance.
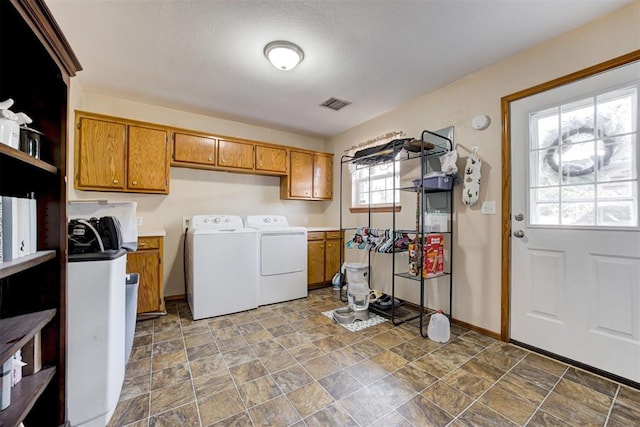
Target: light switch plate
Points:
(186, 220)
(139, 221)
(489, 207)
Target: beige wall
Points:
(477, 252)
(197, 191)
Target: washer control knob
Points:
(267, 220)
(227, 220)
(217, 220)
(206, 220)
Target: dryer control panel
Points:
(216, 222)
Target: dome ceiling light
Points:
(283, 55)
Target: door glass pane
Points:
(583, 161)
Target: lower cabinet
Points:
(323, 257)
(147, 261)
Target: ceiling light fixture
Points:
(283, 55)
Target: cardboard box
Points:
(433, 255)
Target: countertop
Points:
(152, 233)
(323, 228)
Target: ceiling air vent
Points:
(335, 104)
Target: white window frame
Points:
(362, 176)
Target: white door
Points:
(575, 244)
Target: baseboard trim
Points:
(182, 297)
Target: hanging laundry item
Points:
(448, 162)
(472, 175)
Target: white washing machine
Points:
(221, 265)
(282, 254)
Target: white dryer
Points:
(282, 254)
(221, 265)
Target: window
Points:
(583, 162)
(375, 184)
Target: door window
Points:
(583, 162)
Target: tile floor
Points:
(287, 364)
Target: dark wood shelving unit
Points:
(33, 288)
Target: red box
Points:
(433, 255)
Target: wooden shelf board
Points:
(17, 265)
(16, 331)
(24, 396)
(24, 157)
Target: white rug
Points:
(374, 319)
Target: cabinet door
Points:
(235, 154)
(315, 262)
(100, 155)
(271, 159)
(331, 258)
(147, 264)
(148, 160)
(301, 174)
(194, 149)
(322, 177)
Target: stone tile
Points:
(477, 338)
(241, 419)
(293, 340)
(333, 415)
(167, 335)
(272, 321)
(275, 412)
(227, 344)
(507, 404)
(167, 347)
(195, 328)
(247, 371)
(173, 375)
(280, 330)
(414, 377)
(131, 410)
(258, 391)
(408, 351)
(139, 353)
(483, 370)
(629, 396)
(135, 386)
(219, 323)
(292, 378)
(184, 416)
(346, 356)
(202, 351)
(321, 366)
(198, 339)
(467, 383)
(169, 359)
(256, 337)
(242, 318)
(369, 349)
(305, 352)
(223, 333)
(328, 344)
(497, 360)
(542, 419)
(435, 365)
(392, 419)
(241, 355)
(364, 406)
(480, 415)
(509, 350)
(584, 395)
(448, 398)
(571, 411)
(626, 411)
(366, 372)
(278, 362)
(250, 327)
(392, 391)
(388, 340)
(206, 365)
(593, 381)
(420, 411)
(389, 361)
(267, 348)
(534, 375)
(137, 368)
(546, 364)
(171, 397)
(340, 384)
(309, 399)
(217, 381)
(530, 393)
(220, 406)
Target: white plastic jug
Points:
(355, 271)
(438, 329)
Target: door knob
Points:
(519, 217)
(518, 233)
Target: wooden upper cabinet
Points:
(234, 154)
(322, 176)
(271, 159)
(119, 155)
(194, 149)
(301, 174)
(310, 176)
(148, 160)
(100, 154)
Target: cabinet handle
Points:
(329, 245)
(134, 183)
(143, 243)
(115, 181)
(209, 158)
(224, 160)
(321, 246)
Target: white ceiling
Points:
(206, 56)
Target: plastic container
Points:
(358, 295)
(435, 181)
(130, 312)
(438, 329)
(355, 272)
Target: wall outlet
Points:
(489, 207)
(139, 221)
(186, 220)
